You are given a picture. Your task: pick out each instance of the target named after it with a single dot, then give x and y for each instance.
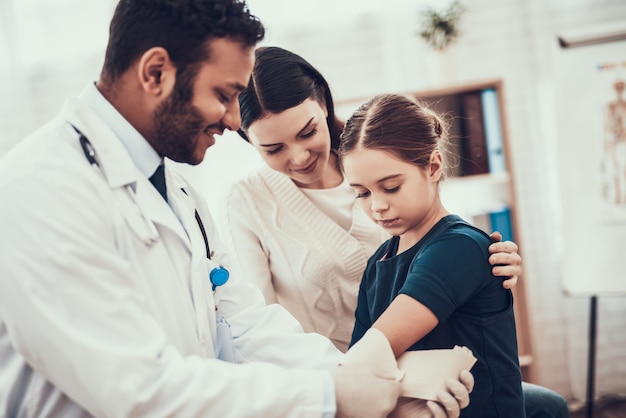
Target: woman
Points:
(293, 227)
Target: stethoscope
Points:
(218, 275)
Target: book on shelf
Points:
(473, 156)
(501, 222)
(498, 219)
(493, 130)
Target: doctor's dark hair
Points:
(182, 27)
(400, 125)
(282, 80)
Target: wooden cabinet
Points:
(479, 186)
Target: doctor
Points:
(106, 303)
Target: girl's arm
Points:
(403, 333)
(447, 274)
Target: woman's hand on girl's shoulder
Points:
(505, 259)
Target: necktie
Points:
(158, 180)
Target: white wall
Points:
(365, 47)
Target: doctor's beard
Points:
(177, 126)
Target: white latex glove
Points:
(362, 393)
(455, 399)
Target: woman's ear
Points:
(435, 170)
(156, 72)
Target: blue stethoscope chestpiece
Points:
(218, 276)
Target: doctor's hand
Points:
(505, 259)
(362, 393)
(456, 398)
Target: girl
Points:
(429, 286)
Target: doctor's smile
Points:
(210, 132)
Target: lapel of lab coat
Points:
(186, 206)
(119, 171)
(118, 168)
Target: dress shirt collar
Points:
(141, 152)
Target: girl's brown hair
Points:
(398, 124)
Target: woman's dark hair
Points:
(282, 80)
(182, 27)
(398, 124)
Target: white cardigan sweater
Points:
(298, 256)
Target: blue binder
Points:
(501, 222)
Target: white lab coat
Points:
(95, 321)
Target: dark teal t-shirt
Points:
(448, 271)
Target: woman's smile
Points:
(307, 169)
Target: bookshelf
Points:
(480, 185)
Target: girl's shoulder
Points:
(456, 226)
(454, 238)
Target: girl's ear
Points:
(435, 169)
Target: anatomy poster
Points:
(591, 160)
(610, 80)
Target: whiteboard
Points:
(592, 167)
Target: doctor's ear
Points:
(156, 71)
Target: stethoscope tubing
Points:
(218, 275)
